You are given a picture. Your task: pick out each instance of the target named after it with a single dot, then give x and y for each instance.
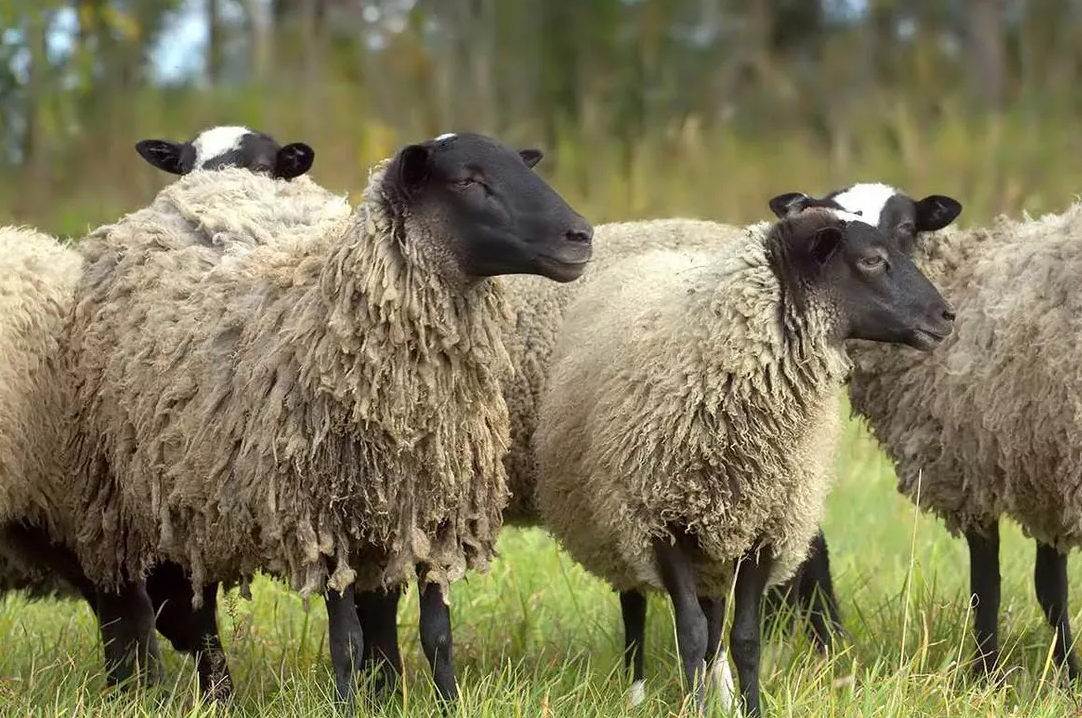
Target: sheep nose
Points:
(582, 233)
(948, 314)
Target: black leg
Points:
(984, 595)
(1050, 580)
(436, 640)
(191, 631)
(346, 642)
(752, 572)
(126, 620)
(678, 577)
(633, 609)
(717, 660)
(378, 613)
(815, 592)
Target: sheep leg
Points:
(126, 621)
(346, 642)
(717, 659)
(815, 593)
(752, 572)
(436, 640)
(33, 542)
(191, 631)
(1050, 580)
(378, 613)
(633, 610)
(678, 577)
(984, 583)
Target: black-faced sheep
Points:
(326, 405)
(228, 146)
(988, 428)
(687, 430)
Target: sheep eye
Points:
(465, 182)
(872, 264)
(858, 212)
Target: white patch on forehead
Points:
(217, 141)
(445, 136)
(868, 198)
(847, 216)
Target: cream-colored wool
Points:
(990, 423)
(325, 405)
(675, 398)
(37, 280)
(539, 306)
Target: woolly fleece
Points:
(676, 397)
(539, 307)
(989, 423)
(37, 280)
(324, 406)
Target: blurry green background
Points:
(645, 107)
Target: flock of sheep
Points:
(252, 375)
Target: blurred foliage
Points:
(643, 107)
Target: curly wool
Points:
(677, 397)
(988, 424)
(539, 307)
(323, 406)
(37, 280)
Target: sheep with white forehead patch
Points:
(297, 405)
(989, 427)
(687, 430)
(228, 146)
(31, 561)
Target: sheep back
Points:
(675, 399)
(988, 424)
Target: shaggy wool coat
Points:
(684, 391)
(267, 380)
(989, 423)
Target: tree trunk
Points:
(37, 91)
(214, 42)
(986, 55)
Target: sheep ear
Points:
(531, 157)
(163, 154)
(825, 242)
(294, 160)
(936, 211)
(412, 167)
(789, 203)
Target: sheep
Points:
(691, 412)
(21, 564)
(986, 429)
(37, 274)
(296, 405)
(228, 146)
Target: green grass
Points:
(537, 636)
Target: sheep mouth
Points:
(562, 269)
(927, 339)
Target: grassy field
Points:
(538, 636)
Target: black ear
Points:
(293, 160)
(163, 154)
(531, 157)
(411, 167)
(825, 242)
(936, 211)
(789, 203)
